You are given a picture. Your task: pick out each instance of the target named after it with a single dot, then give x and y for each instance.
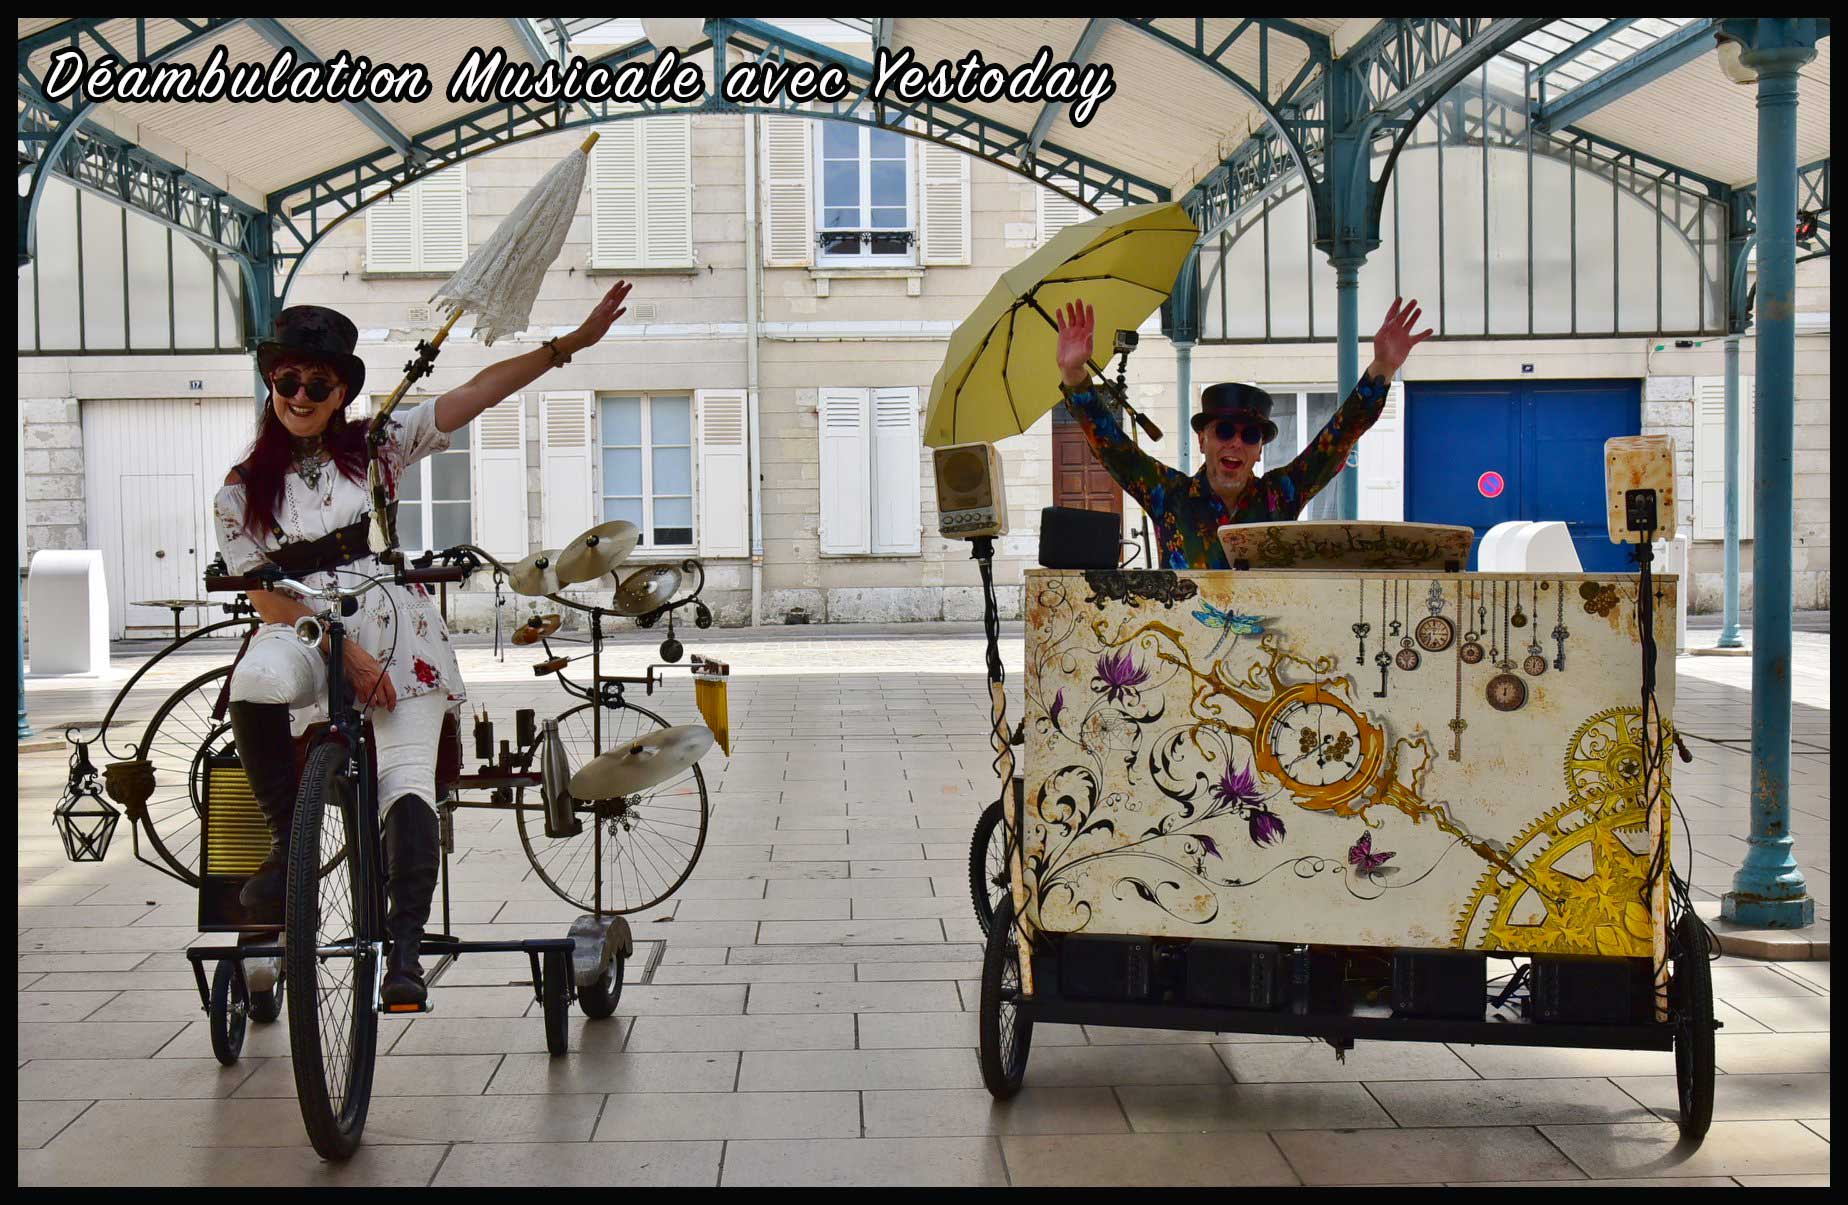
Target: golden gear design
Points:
(1592, 902)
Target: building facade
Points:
(799, 277)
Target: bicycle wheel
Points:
(230, 1008)
(177, 741)
(650, 840)
(331, 958)
(598, 1000)
(1005, 1035)
(988, 865)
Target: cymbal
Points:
(536, 629)
(597, 551)
(646, 589)
(536, 575)
(644, 762)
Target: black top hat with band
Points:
(316, 333)
(1234, 401)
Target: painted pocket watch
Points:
(1507, 692)
(1435, 631)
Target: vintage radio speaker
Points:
(1639, 488)
(970, 499)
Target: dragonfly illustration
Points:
(1230, 624)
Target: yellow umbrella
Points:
(1001, 373)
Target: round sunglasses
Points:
(288, 384)
(1229, 428)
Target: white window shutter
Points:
(1382, 462)
(565, 450)
(724, 474)
(1057, 211)
(1710, 458)
(391, 233)
(616, 198)
(943, 195)
(442, 214)
(845, 513)
(667, 187)
(789, 213)
(897, 517)
(500, 479)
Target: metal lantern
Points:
(84, 818)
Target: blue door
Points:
(1487, 452)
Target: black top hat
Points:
(1235, 401)
(316, 333)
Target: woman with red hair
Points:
(298, 501)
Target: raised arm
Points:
(1132, 468)
(1323, 456)
(497, 382)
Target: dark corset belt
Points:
(342, 546)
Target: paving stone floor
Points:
(810, 1019)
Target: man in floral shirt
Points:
(1234, 424)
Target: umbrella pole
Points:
(419, 367)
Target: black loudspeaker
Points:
(1452, 984)
(1591, 991)
(1234, 974)
(1071, 538)
(1102, 967)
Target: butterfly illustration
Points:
(1230, 624)
(1368, 864)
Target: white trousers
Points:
(278, 668)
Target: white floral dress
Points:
(399, 625)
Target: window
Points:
(641, 203)
(1057, 211)
(870, 476)
(863, 196)
(420, 228)
(647, 456)
(1300, 415)
(434, 509)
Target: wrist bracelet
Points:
(559, 358)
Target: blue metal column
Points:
(1181, 320)
(1183, 387)
(1347, 372)
(1729, 626)
(1768, 889)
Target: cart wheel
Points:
(988, 865)
(1006, 1035)
(267, 1006)
(598, 1000)
(230, 1006)
(556, 992)
(1690, 992)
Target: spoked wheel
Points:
(177, 741)
(331, 958)
(598, 1000)
(650, 840)
(988, 865)
(1006, 1035)
(230, 1007)
(555, 994)
(1690, 997)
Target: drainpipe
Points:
(753, 282)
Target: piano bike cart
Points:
(1319, 802)
(608, 800)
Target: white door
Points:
(151, 469)
(160, 545)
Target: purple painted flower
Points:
(1120, 674)
(1208, 844)
(1266, 826)
(1237, 789)
(1058, 705)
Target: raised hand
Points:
(607, 312)
(1077, 322)
(1395, 339)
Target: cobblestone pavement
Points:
(810, 1018)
